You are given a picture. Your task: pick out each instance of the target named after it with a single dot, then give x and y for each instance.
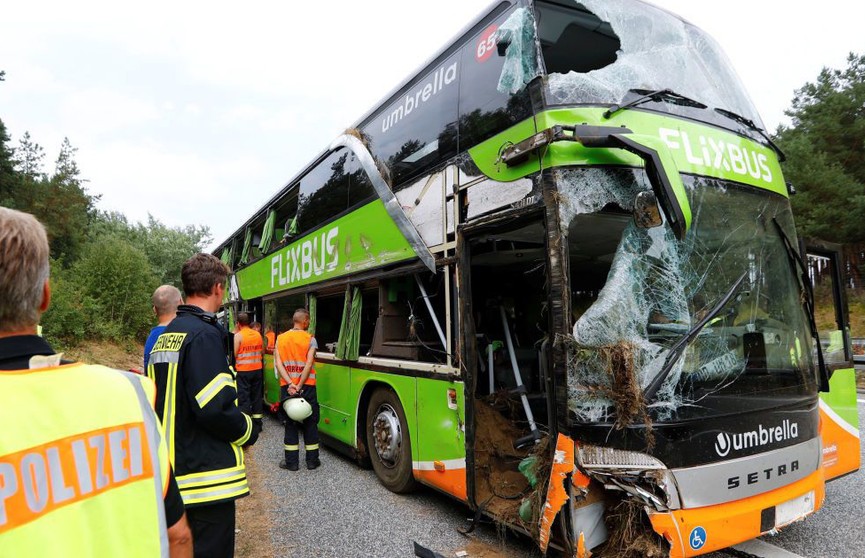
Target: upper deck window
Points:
(335, 185)
(324, 191)
(484, 110)
(418, 128)
(657, 50)
(574, 39)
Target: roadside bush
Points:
(68, 320)
(118, 278)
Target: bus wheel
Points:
(388, 441)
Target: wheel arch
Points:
(365, 395)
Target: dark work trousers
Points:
(212, 530)
(309, 426)
(250, 393)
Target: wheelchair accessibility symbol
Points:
(697, 538)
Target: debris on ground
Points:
(630, 535)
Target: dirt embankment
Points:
(127, 355)
(253, 517)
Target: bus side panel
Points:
(839, 419)
(271, 382)
(337, 406)
(441, 461)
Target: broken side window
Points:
(484, 110)
(573, 38)
(516, 39)
(657, 288)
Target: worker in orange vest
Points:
(293, 359)
(270, 337)
(249, 364)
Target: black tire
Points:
(391, 459)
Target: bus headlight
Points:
(638, 474)
(594, 457)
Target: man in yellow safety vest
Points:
(88, 473)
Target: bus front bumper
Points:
(697, 531)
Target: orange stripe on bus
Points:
(450, 481)
(41, 479)
(730, 523)
(840, 448)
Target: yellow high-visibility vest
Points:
(83, 464)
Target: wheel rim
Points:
(387, 435)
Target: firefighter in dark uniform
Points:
(197, 402)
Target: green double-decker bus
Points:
(555, 275)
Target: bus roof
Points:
(453, 44)
(419, 74)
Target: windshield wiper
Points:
(646, 95)
(751, 125)
(804, 283)
(679, 346)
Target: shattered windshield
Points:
(637, 292)
(597, 51)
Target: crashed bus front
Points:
(684, 368)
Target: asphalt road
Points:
(837, 530)
(340, 510)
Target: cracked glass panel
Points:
(637, 292)
(658, 51)
(521, 57)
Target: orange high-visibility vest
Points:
(249, 353)
(87, 474)
(271, 339)
(293, 346)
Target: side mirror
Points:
(647, 214)
(664, 176)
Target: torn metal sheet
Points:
(590, 524)
(557, 494)
(489, 195)
(391, 205)
(423, 201)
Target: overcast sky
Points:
(198, 112)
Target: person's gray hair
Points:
(24, 267)
(166, 299)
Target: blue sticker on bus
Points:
(697, 538)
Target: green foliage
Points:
(70, 316)
(825, 161)
(8, 176)
(116, 275)
(166, 247)
(59, 201)
(104, 268)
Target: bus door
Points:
(510, 323)
(838, 412)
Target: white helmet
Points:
(297, 408)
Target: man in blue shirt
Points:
(166, 299)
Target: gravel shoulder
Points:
(340, 510)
